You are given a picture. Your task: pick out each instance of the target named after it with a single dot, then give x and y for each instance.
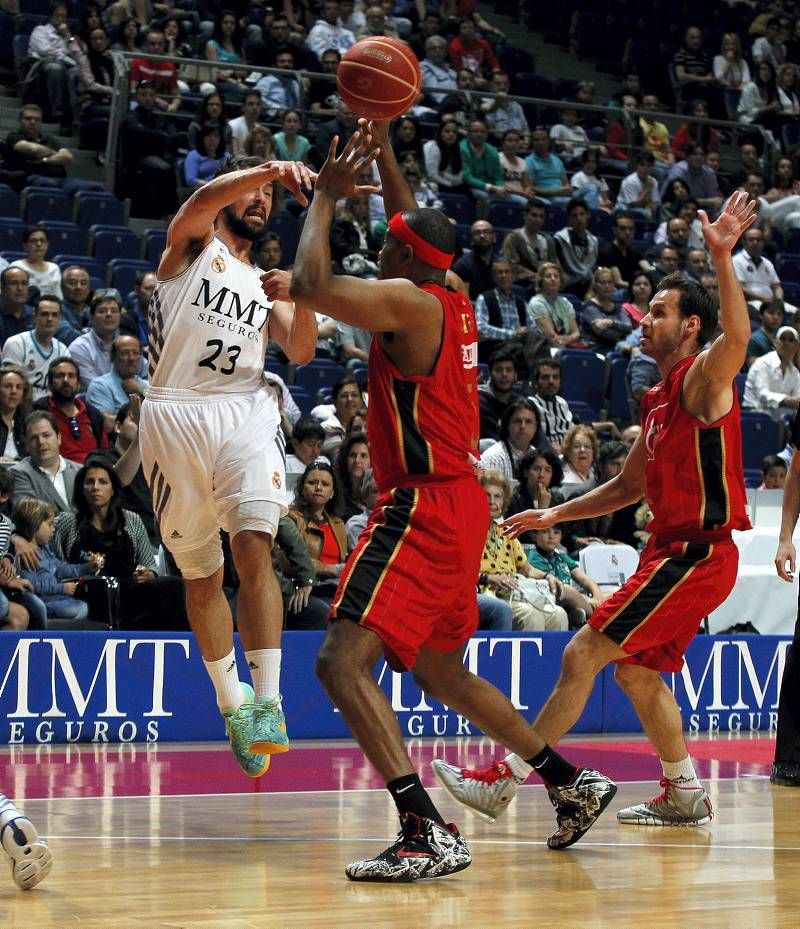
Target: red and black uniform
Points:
(411, 578)
(695, 489)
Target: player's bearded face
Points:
(248, 219)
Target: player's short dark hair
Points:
(60, 361)
(574, 203)
(773, 304)
(36, 415)
(546, 363)
(527, 460)
(767, 462)
(46, 298)
(695, 300)
(6, 482)
(238, 163)
(502, 354)
(609, 451)
(433, 226)
(307, 427)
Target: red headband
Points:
(423, 250)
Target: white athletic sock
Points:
(681, 772)
(225, 678)
(265, 669)
(519, 768)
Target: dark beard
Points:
(63, 395)
(240, 228)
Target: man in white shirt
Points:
(436, 72)
(243, 125)
(755, 273)
(769, 47)
(327, 33)
(773, 381)
(34, 351)
(57, 53)
(639, 191)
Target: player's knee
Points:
(635, 680)
(577, 658)
(329, 668)
(202, 562)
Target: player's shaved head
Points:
(433, 226)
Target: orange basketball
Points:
(379, 78)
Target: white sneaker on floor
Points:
(676, 806)
(486, 792)
(31, 858)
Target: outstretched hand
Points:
(337, 177)
(294, 175)
(739, 215)
(528, 520)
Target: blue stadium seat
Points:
(273, 366)
(359, 370)
(94, 267)
(285, 225)
(458, 207)
(6, 37)
(110, 245)
(123, 272)
(740, 380)
(583, 412)
(555, 219)
(508, 215)
(317, 374)
(303, 399)
(583, 378)
(27, 22)
(761, 436)
(11, 228)
(463, 238)
(67, 237)
(12, 255)
(43, 204)
(527, 84)
(600, 224)
(9, 202)
(20, 45)
(155, 243)
(618, 406)
(98, 206)
(788, 267)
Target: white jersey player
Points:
(34, 351)
(210, 437)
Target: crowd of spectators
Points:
(567, 219)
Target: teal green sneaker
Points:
(239, 729)
(269, 728)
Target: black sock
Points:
(552, 768)
(411, 797)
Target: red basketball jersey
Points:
(695, 483)
(422, 428)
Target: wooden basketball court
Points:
(174, 836)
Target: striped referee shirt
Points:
(556, 417)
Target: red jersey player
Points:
(687, 462)
(409, 587)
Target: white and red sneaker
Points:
(487, 792)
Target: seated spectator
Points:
(693, 134)
(375, 23)
(619, 255)
(75, 292)
(80, 426)
(243, 125)
(667, 261)
(45, 276)
(260, 144)
(127, 34)
(225, 46)
(468, 50)
(15, 313)
(295, 574)
(552, 312)
(755, 273)
(784, 197)
(54, 581)
(268, 252)
(92, 350)
(694, 72)
(315, 510)
(502, 318)
(497, 395)
(100, 525)
(203, 162)
(55, 52)
(342, 127)
(460, 105)
(327, 33)
(443, 162)
(210, 112)
(366, 495)
(787, 94)
(44, 473)
(475, 266)
(640, 291)
(642, 374)
(161, 76)
(501, 112)
(569, 139)
(769, 47)
(504, 559)
(588, 186)
(696, 264)
(638, 192)
(436, 72)
(732, 72)
(528, 247)
(290, 145)
(517, 186)
(30, 150)
(149, 141)
(353, 344)
(279, 91)
(305, 444)
(352, 461)
(96, 89)
(348, 399)
(15, 405)
(481, 164)
(603, 321)
(763, 340)
(519, 431)
(134, 318)
(354, 248)
(15, 616)
(423, 193)
(773, 471)
(546, 170)
(699, 178)
(109, 392)
(656, 137)
(577, 248)
(540, 476)
(554, 412)
(773, 380)
(759, 101)
(631, 87)
(323, 98)
(579, 452)
(624, 136)
(756, 185)
(683, 231)
(33, 351)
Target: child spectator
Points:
(54, 581)
(773, 470)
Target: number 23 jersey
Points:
(208, 326)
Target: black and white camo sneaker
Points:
(424, 849)
(677, 806)
(578, 805)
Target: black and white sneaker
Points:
(30, 856)
(578, 805)
(424, 848)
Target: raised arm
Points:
(397, 194)
(193, 226)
